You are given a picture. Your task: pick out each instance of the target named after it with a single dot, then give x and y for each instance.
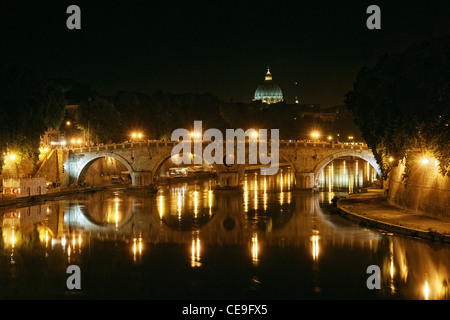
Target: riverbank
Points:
(371, 209)
(53, 194)
(68, 191)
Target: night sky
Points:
(221, 47)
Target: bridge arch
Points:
(84, 166)
(362, 154)
(162, 160)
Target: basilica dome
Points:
(268, 92)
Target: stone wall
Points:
(103, 170)
(426, 192)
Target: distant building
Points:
(268, 92)
(53, 138)
(68, 133)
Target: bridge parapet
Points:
(144, 158)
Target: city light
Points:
(391, 159)
(350, 137)
(137, 135)
(330, 137)
(68, 123)
(315, 135)
(195, 134)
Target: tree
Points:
(404, 102)
(101, 118)
(29, 105)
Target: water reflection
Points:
(265, 242)
(195, 250)
(346, 174)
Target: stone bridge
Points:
(144, 159)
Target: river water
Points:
(187, 242)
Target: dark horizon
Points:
(221, 48)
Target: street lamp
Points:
(195, 134)
(136, 135)
(315, 135)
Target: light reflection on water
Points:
(346, 174)
(266, 242)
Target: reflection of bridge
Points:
(229, 225)
(143, 159)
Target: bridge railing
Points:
(159, 143)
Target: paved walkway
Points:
(373, 210)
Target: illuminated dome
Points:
(268, 92)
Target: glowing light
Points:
(68, 123)
(195, 252)
(179, 204)
(255, 134)
(426, 290)
(13, 238)
(315, 135)
(137, 248)
(368, 171)
(281, 191)
(195, 203)
(315, 245)
(425, 161)
(330, 137)
(161, 206)
(391, 269)
(210, 201)
(265, 194)
(12, 157)
(391, 159)
(195, 134)
(245, 195)
(136, 135)
(255, 248)
(256, 194)
(63, 143)
(350, 137)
